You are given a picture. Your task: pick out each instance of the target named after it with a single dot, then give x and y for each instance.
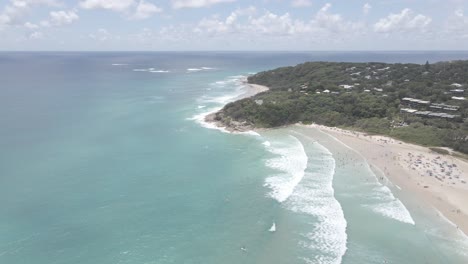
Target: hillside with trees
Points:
(424, 104)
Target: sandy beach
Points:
(436, 180)
(253, 89)
(439, 181)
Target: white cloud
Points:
(330, 23)
(231, 24)
(131, 8)
(59, 18)
(457, 25)
(14, 12)
(114, 5)
(324, 25)
(301, 3)
(29, 25)
(101, 34)
(145, 10)
(405, 21)
(197, 3)
(36, 35)
(366, 8)
(272, 24)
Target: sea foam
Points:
(211, 103)
(305, 186)
(290, 161)
(383, 201)
(315, 196)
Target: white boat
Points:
(273, 227)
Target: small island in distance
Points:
(423, 104)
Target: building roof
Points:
(412, 100)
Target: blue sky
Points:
(233, 25)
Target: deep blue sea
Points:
(105, 158)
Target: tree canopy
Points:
(362, 96)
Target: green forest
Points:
(369, 97)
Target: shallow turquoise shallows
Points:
(105, 158)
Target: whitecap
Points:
(251, 133)
(194, 69)
(119, 64)
(159, 71)
(382, 199)
(314, 195)
(140, 70)
(200, 119)
(290, 161)
(216, 103)
(383, 202)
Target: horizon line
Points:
(260, 51)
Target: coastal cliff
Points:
(424, 104)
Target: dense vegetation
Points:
(362, 96)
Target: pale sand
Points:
(430, 177)
(253, 89)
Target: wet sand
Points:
(438, 180)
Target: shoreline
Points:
(440, 181)
(233, 126)
(413, 169)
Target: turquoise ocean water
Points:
(104, 158)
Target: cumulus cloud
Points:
(130, 8)
(333, 23)
(101, 34)
(272, 24)
(247, 22)
(231, 24)
(114, 5)
(30, 25)
(58, 18)
(405, 21)
(145, 10)
(36, 35)
(197, 3)
(457, 24)
(14, 12)
(301, 3)
(366, 8)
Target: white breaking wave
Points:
(385, 203)
(290, 161)
(216, 103)
(119, 64)
(200, 119)
(315, 196)
(153, 70)
(251, 132)
(200, 69)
